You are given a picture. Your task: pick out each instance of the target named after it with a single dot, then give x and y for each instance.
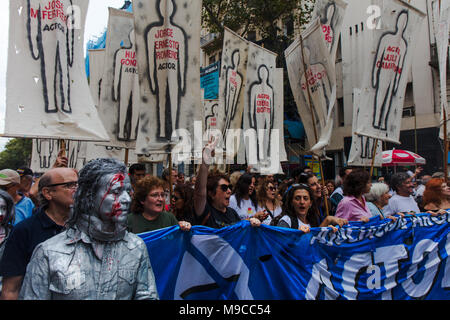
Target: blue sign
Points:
(381, 259)
(209, 81)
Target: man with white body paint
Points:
(95, 258)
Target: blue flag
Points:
(382, 259)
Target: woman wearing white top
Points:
(243, 201)
(297, 213)
(268, 201)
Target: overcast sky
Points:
(96, 22)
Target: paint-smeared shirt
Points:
(67, 267)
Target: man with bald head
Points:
(56, 191)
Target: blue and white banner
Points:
(382, 259)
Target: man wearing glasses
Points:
(56, 190)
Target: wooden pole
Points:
(374, 153)
(126, 156)
(445, 145)
(62, 146)
(305, 69)
(170, 175)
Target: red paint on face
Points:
(116, 211)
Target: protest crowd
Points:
(138, 203)
(106, 204)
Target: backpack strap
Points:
(294, 223)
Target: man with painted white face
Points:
(95, 258)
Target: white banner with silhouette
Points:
(94, 151)
(331, 14)
(47, 93)
(168, 55)
(45, 152)
(260, 108)
(96, 64)
(315, 93)
(441, 17)
(232, 87)
(390, 57)
(363, 148)
(119, 96)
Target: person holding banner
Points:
(95, 257)
(268, 200)
(320, 193)
(243, 201)
(299, 212)
(212, 196)
(148, 207)
(436, 196)
(353, 206)
(402, 201)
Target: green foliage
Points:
(17, 153)
(261, 16)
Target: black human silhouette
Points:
(166, 45)
(233, 86)
(388, 70)
(261, 100)
(125, 83)
(51, 42)
(326, 20)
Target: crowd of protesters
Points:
(33, 211)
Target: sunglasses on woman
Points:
(271, 188)
(225, 187)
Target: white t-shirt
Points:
(246, 210)
(287, 219)
(275, 213)
(400, 204)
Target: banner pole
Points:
(170, 175)
(445, 144)
(314, 123)
(62, 146)
(374, 153)
(126, 156)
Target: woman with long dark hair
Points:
(299, 212)
(182, 203)
(319, 192)
(243, 201)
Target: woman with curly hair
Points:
(299, 212)
(436, 195)
(148, 207)
(268, 201)
(353, 206)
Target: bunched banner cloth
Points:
(386, 74)
(314, 89)
(47, 93)
(232, 88)
(382, 259)
(331, 14)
